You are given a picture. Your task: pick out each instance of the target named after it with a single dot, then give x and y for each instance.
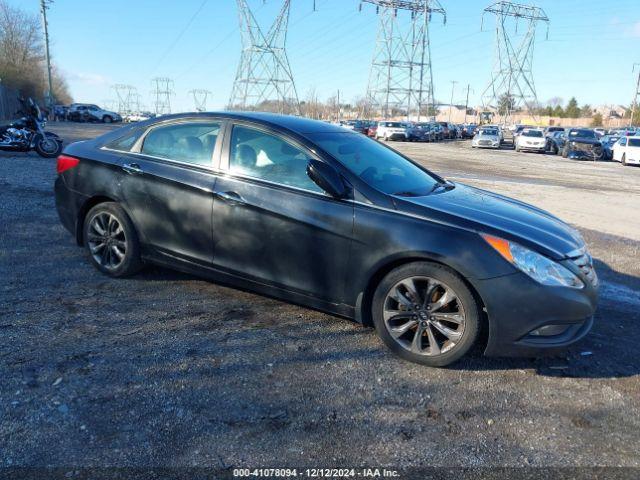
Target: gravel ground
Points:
(167, 370)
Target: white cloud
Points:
(91, 79)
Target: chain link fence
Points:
(8, 103)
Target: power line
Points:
(180, 35)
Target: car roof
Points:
(297, 125)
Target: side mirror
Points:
(327, 178)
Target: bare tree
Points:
(22, 55)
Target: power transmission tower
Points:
(264, 74)
(634, 104)
(401, 77)
(200, 99)
(511, 86)
(162, 91)
(45, 28)
(127, 97)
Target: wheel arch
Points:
(82, 213)
(363, 303)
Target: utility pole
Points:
(512, 78)
(453, 86)
(466, 103)
(401, 78)
(45, 29)
(264, 78)
(338, 107)
(634, 105)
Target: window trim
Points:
(225, 159)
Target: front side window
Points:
(269, 157)
(183, 142)
(375, 164)
(634, 142)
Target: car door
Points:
(271, 223)
(169, 188)
(618, 149)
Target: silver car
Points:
(487, 138)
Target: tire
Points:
(408, 345)
(107, 119)
(565, 153)
(123, 240)
(623, 160)
(48, 147)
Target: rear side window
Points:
(124, 144)
(183, 142)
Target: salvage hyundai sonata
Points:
(313, 214)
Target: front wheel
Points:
(426, 314)
(107, 119)
(48, 147)
(111, 240)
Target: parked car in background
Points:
(85, 112)
(582, 144)
(608, 141)
(532, 140)
(448, 130)
(373, 128)
(555, 142)
(519, 129)
(277, 210)
(359, 126)
(487, 137)
(137, 117)
(438, 130)
(418, 132)
(469, 130)
(391, 131)
(551, 130)
(627, 151)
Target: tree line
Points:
(22, 56)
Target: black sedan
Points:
(313, 214)
(582, 144)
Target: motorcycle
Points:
(28, 133)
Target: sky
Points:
(590, 52)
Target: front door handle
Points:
(231, 197)
(132, 168)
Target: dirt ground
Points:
(167, 370)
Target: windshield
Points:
(377, 165)
(582, 133)
(392, 124)
(532, 133)
(489, 131)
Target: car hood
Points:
(494, 138)
(484, 211)
(589, 141)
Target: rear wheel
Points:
(48, 147)
(426, 314)
(111, 240)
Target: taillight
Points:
(66, 162)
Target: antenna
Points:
(401, 77)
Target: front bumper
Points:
(517, 305)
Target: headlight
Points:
(542, 269)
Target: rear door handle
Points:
(132, 168)
(231, 198)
